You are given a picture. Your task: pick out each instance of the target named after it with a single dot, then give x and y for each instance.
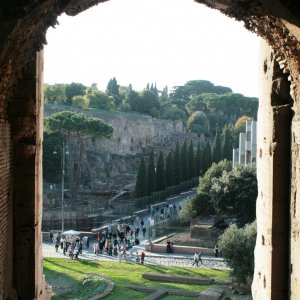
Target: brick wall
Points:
(5, 209)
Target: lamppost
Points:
(64, 151)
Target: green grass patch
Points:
(77, 279)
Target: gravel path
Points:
(151, 258)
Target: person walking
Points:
(143, 257)
(56, 246)
(64, 246)
(216, 250)
(196, 260)
(144, 232)
(199, 257)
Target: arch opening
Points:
(23, 35)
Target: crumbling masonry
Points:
(22, 36)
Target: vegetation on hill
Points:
(214, 113)
(200, 103)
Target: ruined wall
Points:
(112, 163)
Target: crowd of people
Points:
(117, 241)
(70, 245)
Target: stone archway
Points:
(22, 37)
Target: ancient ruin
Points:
(23, 29)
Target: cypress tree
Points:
(151, 180)
(198, 160)
(177, 165)
(191, 160)
(169, 173)
(184, 162)
(141, 183)
(227, 148)
(160, 173)
(217, 149)
(206, 159)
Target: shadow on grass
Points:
(65, 275)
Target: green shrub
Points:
(237, 247)
(201, 204)
(187, 212)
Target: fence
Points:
(160, 196)
(84, 220)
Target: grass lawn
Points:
(70, 278)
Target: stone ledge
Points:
(157, 295)
(178, 279)
(211, 294)
(161, 248)
(176, 292)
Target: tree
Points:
(169, 173)
(160, 173)
(217, 149)
(172, 112)
(237, 246)
(80, 101)
(177, 165)
(74, 89)
(201, 203)
(196, 104)
(215, 171)
(196, 87)
(227, 148)
(112, 89)
(184, 162)
(151, 178)
(101, 100)
(191, 160)
(198, 160)
(198, 122)
(239, 126)
(235, 192)
(55, 93)
(80, 127)
(206, 158)
(132, 99)
(141, 181)
(51, 162)
(148, 103)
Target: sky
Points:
(167, 42)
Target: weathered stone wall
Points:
(112, 163)
(6, 259)
(25, 114)
(273, 172)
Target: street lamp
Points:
(64, 151)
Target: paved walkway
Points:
(167, 259)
